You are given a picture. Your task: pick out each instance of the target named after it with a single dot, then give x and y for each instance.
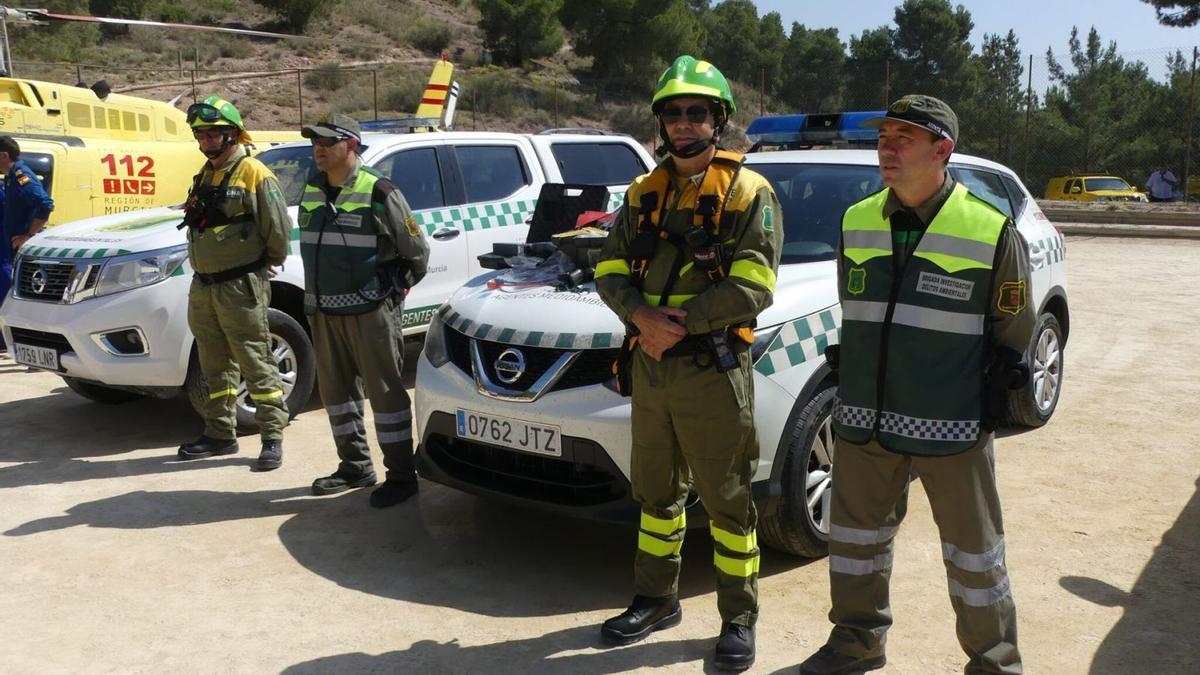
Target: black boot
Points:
(643, 617)
(339, 482)
(271, 456)
(393, 492)
(735, 647)
(207, 446)
(829, 661)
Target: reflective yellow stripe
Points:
(672, 300)
(736, 567)
(755, 273)
(738, 543)
(662, 525)
(268, 396)
(657, 547)
(684, 270)
(607, 267)
(219, 394)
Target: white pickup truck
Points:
(103, 301)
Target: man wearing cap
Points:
(237, 228)
(933, 283)
(362, 251)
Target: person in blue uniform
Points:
(24, 207)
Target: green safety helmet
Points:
(215, 111)
(691, 77)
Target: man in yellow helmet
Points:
(237, 227)
(689, 264)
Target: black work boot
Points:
(829, 661)
(271, 456)
(207, 446)
(735, 647)
(340, 482)
(643, 617)
(392, 492)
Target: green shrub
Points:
(430, 35)
(327, 76)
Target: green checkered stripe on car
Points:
(471, 218)
(1055, 248)
(523, 338)
(52, 252)
(801, 340)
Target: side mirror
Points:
(1075, 189)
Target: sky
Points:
(1038, 24)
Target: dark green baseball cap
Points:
(335, 125)
(923, 111)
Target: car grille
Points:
(594, 366)
(583, 476)
(57, 281)
(37, 338)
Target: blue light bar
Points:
(402, 124)
(817, 129)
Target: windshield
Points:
(292, 166)
(1094, 184)
(813, 198)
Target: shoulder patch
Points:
(410, 224)
(1010, 299)
(768, 219)
(22, 179)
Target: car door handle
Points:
(446, 233)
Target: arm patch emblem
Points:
(1010, 299)
(410, 224)
(22, 179)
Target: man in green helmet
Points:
(237, 228)
(689, 264)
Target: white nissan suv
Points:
(514, 391)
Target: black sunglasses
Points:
(325, 141)
(696, 114)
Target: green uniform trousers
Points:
(357, 351)
(694, 428)
(870, 499)
(229, 320)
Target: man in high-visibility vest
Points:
(237, 229)
(689, 264)
(934, 288)
(362, 251)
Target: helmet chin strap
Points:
(691, 149)
(227, 139)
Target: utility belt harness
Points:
(718, 349)
(231, 273)
(203, 207)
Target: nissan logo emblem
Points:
(38, 281)
(510, 366)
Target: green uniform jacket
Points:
(374, 227)
(252, 190)
(752, 228)
(925, 364)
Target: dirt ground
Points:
(116, 558)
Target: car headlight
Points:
(140, 269)
(435, 342)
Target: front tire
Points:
(293, 353)
(1034, 404)
(100, 393)
(800, 525)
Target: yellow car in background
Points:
(1093, 188)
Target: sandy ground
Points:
(116, 558)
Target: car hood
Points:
(117, 234)
(1115, 193)
(526, 308)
